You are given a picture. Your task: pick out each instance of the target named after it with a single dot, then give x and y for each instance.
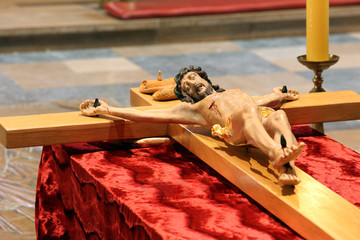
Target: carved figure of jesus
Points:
(232, 115)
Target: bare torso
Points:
(218, 107)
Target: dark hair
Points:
(184, 96)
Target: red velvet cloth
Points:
(168, 8)
(330, 163)
(98, 191)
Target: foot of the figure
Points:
(285, 155)
(288, 176)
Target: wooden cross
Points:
(311, 209)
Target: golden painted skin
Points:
(233, 113)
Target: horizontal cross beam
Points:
(310, 108)
(59, 128)
(71, 127)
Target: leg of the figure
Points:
(277, 125)
(246, 126)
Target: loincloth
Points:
(225, 132)
(265, 111)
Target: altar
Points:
(104, 190)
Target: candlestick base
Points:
(318, 68)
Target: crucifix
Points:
(310, 208)
(231, 115)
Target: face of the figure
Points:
(197, 87)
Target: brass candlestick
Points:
(318, 68)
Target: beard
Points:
(204, 93)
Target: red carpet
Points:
(169, 8)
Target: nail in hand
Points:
(96, 103)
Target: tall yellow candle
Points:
(317, 30)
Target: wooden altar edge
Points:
(71, 127)
(310, 108)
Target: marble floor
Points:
(57, 81)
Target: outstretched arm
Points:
(183, 113)
(274, 99)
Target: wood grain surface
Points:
(324, 107)
(71, 127)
